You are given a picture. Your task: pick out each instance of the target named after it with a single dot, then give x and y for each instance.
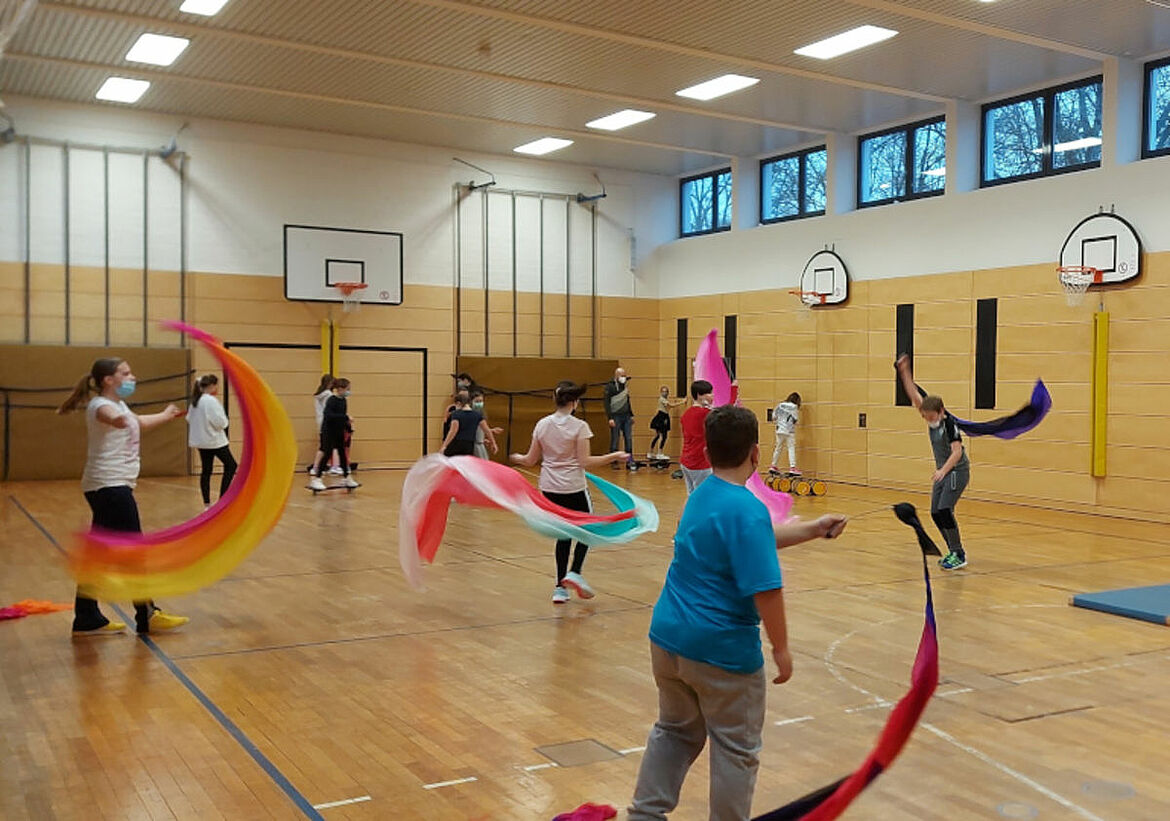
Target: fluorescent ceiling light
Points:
(122, 90)
(846, 42)
(935, 172)
(622, 119)
(718, 87)
(157, 49)
(545, 145)
(204, 7)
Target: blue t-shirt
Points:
(724, 553)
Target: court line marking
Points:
(533, 767)
(450, 783)
(235, 732)
(797, 720)
(342, 803)
(629, 750)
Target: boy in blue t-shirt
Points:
(704, 635)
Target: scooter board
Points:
(317, 490)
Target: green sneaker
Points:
(953, 561)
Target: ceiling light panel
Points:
(846, 42)
(622, 119)
(157, 49)
(122, 90)
(545, 145)
(718, 87)
(205, 7)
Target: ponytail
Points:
(202, 383)
(325, 384)
(90, 383)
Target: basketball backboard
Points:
(824, 276)
(316, 259)
(1106, 242)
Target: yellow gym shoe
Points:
(161, 622)
(108, 629)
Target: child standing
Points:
(660, 424)
(465, 425)
(477, 405)
(694, 463)
(319, 399)
(335, 422)
(952, 468)
(560, 444)
(786, 415)
(705, 645)
(207, 431)
(111, 470)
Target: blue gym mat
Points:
(1145, 603)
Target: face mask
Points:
(621, 380)
(477, 405)
(347, 393)
(935, 424)
(126, 389)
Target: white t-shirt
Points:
(112, 458)
(786, 415)
(560, 472)
(207, 424)
(320, 400)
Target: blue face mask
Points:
(126, 389)
(347, 393)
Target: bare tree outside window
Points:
(815, 163)
(1077, 124)
(883, 167)
(781, 187)
(1158, 128)
(930, 157)
(1014, 135)
(696, 205)
(723, 200)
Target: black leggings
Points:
(573, 501)
(207, 457)
(114, 509)
(332, 441)
(659, 435)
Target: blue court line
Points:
(235, 732)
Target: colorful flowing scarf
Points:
(436, 480)
(1020, 422)
(830, 801)
(31, 607)
(199, 552)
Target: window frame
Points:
(1048, 137)
(715, 227)
(801, 180)
(1147, 109)
(910, 130)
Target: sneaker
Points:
(578, 583)
(336, 471)
(794, 471)
(351, 482)
(110, 628)
(662, 457)
(953, 561)
(160, 622)
(560, 595)
(632, 466)
(316, 484)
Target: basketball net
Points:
(1075, 280)
(805, 301)
(351, 298)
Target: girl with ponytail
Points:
(111, 472)
(207, 432)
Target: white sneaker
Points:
(662, 456)
(351, 482)
(578, 583)
(336, 470)
(315, 483)
(651, 456)
(560, 595)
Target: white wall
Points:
(247, 181)
(1007, 225)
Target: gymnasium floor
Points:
(314, 675)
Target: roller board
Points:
(657, 464)
(328, 488)
(795, 483)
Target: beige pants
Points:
(698, 701)
(781, 440)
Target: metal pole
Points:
(515, 311)
(511, 410)
(65, 176)
(458, 277)
(106, 204)
(27, 243)
(145, 248)
(486, 295)
(425, 390)
(8, 432)
(593, 286)
(568, 284)
(183, 245)
(542, 274)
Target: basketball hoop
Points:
(806, 300)
(1075, 280)
(351, 298)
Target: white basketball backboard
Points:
(824, 276)
(1106, 242)
(316, 259)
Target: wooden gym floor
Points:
(314, 675)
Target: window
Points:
(1048, 132)
(1157, 138)
(902, 163)
(705, 203)
(793, 185)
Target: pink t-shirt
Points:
(560, 472)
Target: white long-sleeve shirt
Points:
(207, 424)
(786, 415)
